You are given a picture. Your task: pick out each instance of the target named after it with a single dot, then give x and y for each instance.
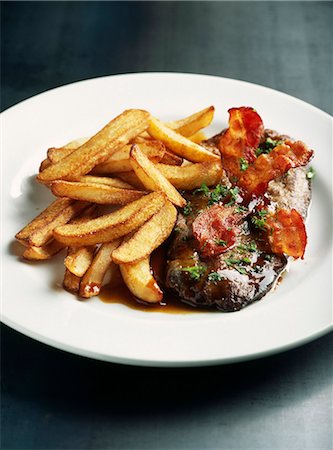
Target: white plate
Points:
(34, 304)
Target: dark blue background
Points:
(55, 400)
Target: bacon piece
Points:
(287, 233)
(242, 137)
(215, 229)
(268, 167)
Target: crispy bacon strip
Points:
(215, 230)
(242, 137)
(287, 233)
(255, 179)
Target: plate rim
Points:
(164, 363)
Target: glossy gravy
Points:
(170, 304)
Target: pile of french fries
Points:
(137, 164)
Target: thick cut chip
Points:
(132, 178)
(115, 182)
(140, 281)
(171, 159)
(120, 161)
(99, 148)
(78, 259)
(95, 192)
(287, 233)
(39, 231)
(93, 278)
(152, 178)
(192, 124)
(44, 164)
(192, 176)
(55, 154)
(283, 157)
(71, 282)
(47, 251)
(111, 226)
(150, 236)
(179, 144)
(198, 137)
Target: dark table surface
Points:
(55, 400)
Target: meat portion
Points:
(244, 271)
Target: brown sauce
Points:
(170, 304)
(121, 295)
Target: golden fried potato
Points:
(44, 164)
(111, 226)
(115, 182)
(95, 192)
(192, 176)
(55, 154)
(71, 282)
(99, 148)
(39, 231)
(152, 178)
(171, 158)
(150, 236)
(192, 124)
(46, 251)
(120, 161)
(198, 137)
(140, 281)
(180, 145)
(78, 259)
(93, 278)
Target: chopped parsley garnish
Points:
(187, 209)
(218, 193)
(259, 221)
(268, 257)
(267, 146)
(203, 188)
(250, 247)
(241, 209)
(243, 164)
(310, 174)
(220, 242)
(234, 194)
(195, 272)
(237, 263)
(214, 277)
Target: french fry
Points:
(44, 164)
(39, 231)
(140, 281)
(120, 161)
(192, 176)
(78, 259)
(111, 226)
(115, 182)
(132, 178)
(93, 278)
(198, 137)
(95, 192)
(171, 158)
(33, 253)
(150, 148)
(55, 154)
(152, 178)
(190, 125)
(150, 236)
(180, 145)
(71, 282)
(99, 148)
